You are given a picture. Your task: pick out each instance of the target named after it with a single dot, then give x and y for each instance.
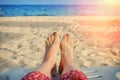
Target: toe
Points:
(49, 39)
(52, 38)
(65, 37)
(70, 41)
(68, 37)
(56, 36)
(47, 42)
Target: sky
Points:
(81, 2)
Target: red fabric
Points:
(73, 75)
(35, 75)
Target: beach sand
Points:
(96, 40)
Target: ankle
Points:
(67, 69)
(48, 63)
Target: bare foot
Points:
(66, 63)
(52, 46)
(48, 66)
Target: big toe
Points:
(56, 36)
(65, 37)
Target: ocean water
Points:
(56, 10)
(38, 10)
(45, 10)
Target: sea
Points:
(51, 10)
(41, 10)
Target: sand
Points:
(96, 40)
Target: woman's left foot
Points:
(66, 46)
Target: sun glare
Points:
(110, 2)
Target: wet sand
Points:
(96, 39)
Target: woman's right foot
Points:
(66, 63)
(48, 66)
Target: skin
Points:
(52, 45)
(48, 66)
(66, 63)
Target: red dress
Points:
(72, 75)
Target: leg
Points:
(67, 68)
(48, 64)
(66, 63)
(52, 46)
